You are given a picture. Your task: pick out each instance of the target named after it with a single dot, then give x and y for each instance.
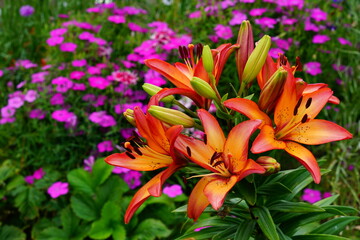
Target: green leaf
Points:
(84, 207)
(247, 190)
(206, 233)
(100, 229)
(326, 201)
(111, 211)
(80, 180)
(266, 222)
(100, 172)
(6, 170)
(245, 230)
(300, 207)
(334, 226)
(282, 236)
(150, 229)
(11, 232)
(228, 233)
(119, 232)
(273, 189)
(112, 190)
(53, 233)
(342, 209)
(318, 237)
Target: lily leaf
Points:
(300, 207)
(318, 237)
(266, 222)
(245, 230)
(334, 226)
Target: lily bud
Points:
(202, 88)
(256, 59)
(129, 115)
(171, 116)
(272, 90)
(207, 59)
(269, 163)
(246, 41)
(152, 90)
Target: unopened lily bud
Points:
(129, 115)
(272, 90)
(256, 59)
(202, 88)
(207, 59)
(171, 116)
(270, 164)
(152, 90)
(246, 41)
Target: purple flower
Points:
(238, 18)
(351, 167)
(318, 15)
(62, 115)
(58, 32)
(257, 12)
(37, 113)
(200, 228)
(57, 189)
(31, 95)
(1, 73)
(57, 99)
(39, 174)
(313, 68)
(154, 78)
(326, 195)
(55, 40)
(79, 63)
(116, 19)
(223, 32)
(68, 47)
(93, 70)
(26, 10)
(120, 170)
(102, 119)
(320, 38)
(274, 52)
(77, 75)
(7, 111)
(38, 77)
(196, 14)
(132, 178)
(85, 36)
(289, 21)
(98, 82)
(105, 146)
(126, 132)
(173, 190)
(63, 84)
(15, 102)
(311, 195)
(265, 22)
(79, 87)
(29, 179)
(88, 163)
(344, 41)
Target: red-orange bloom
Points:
(157, 152)
(227, 159)
(295, 123)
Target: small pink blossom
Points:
(85, 36)
(7, 120)
(62, 115)
(137, 28)
(88, 163)
(125, 77)
(105, 146)
(31, 95)
(15, 102)
(116, 19)
(93, 70)
(154, 78)
(196, 14)
(173, 190)
(274, 52)
(57, 189)
(326, 195)
(55, 40)
(120, 170)
(266, 22)
(98, 41)
(223, 32)
(102, 119)
(68, 47)
(98, 82)
(7, 112)
(37, 113)
(257, 12)
(57, 99)
(289, 21)
(63, 84)
(79, 87)
(320, 38)
(344, 41)
(132, 178)
(77, 75)
(311, 195)
(79, 63)
(238, 18)
(39, 174)
(318, 15)
(313, 68)
(58, 32)
(38, 77)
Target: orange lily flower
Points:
(295, 123)
(227, 159)
(157, 153)
(181, 74)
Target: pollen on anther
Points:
(130, 155)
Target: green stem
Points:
(188, 111)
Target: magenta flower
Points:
(1, 73)
(77, 75)
(289, 21)
(293, 3)
(62, 115)
(238, 18)
(38, 77)
(223, 32)
(102, 119)
(98, 41)
(68, 47)
(15, 102)
(7, 120)
(29, 179)
(120, 170)
(320, 38)
(274, 52)
(39, 174)
(100, 101)
(196, 14)
(125, 77)
(63, 84)
(37, 113)
(318, 15)
(326, 195)
(311, 195)
(266, 22)
(98, 82)
(79, 87)
(173, 190)
(57, 189)
(79, 63)
(55, 40)
(31, 95)
(7, 112)
(93, 70)
(88, 163)
(58, 32)
(344, 41)
(26, 11)
(137, 28)
(313, 68)
(105, 146)
(257, 12)
(309, 26)
(57, 99)
(154, 78)
(116, 19)
(85, 36)
(126, 132)
(132, 178)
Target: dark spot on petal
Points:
(188, 150)
(130, 155)
(308, 103)
(304, 119)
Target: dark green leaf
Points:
(84, 207)
(326, 201)
(245, 230)
(206, 233)
(11, 232)
(119, 232)
(100, 172)
(111, 190)
(266, 222)
(227, 233)
(300, 207)
(334, 226)
(318, 237)
(282, 236)
(343, 209)
(247, 190)
(53, 233)
(80, 180)
(100, 229)
(273, 189)
(150, 229)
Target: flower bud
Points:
(202, 88)
(152, 90)
(129, 115)
(270, 164)
(207, 59)
(272, 90)
(256, 59)
(246, 41)
(171, 116)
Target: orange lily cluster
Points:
(283, 118)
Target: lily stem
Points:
(188, 111)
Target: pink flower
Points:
(116, 19)
(320, 38)
(6, 120)
(309, 26)
(1, 73)
(77, 75)
(257, 12)
(57, 189)
(63, 84)
(102, 119)
(88, 163)
(79, 87)
(126, 132)
(100, 101)
(196, 14)
(247, 1)
(58, 32)
(98, 41)
(7, 111)
(62, 115)
(223, 32)
(125, 77)
(37, 113)
(311, 195)
(93, 70)
(105, 146)
(79, 63)
(55, 40)
(85, 36)
(120, 170)
(238, 18)
(98, 82)
(326, 195)
(274, 52)
(132, 178)
(68, 47)
(31, 95)
(173, 190)
(57, 99)
(29, 179)
(137, 28)
(39, 174)
(318, 15)
(15, 102)
(38, 77)
(266, 22)
(154, 78)
(344, 41)
(289, 21)
(313, 68)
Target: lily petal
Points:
(214, 133)
(318, 131)
(318, 100)
(306, 158)
(170, 72)
(248, 108)
(250, 168)
(217, 189)
(197, 200)
(266, 141)
(236, 147)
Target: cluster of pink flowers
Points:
(38, 174)
(313, 196)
